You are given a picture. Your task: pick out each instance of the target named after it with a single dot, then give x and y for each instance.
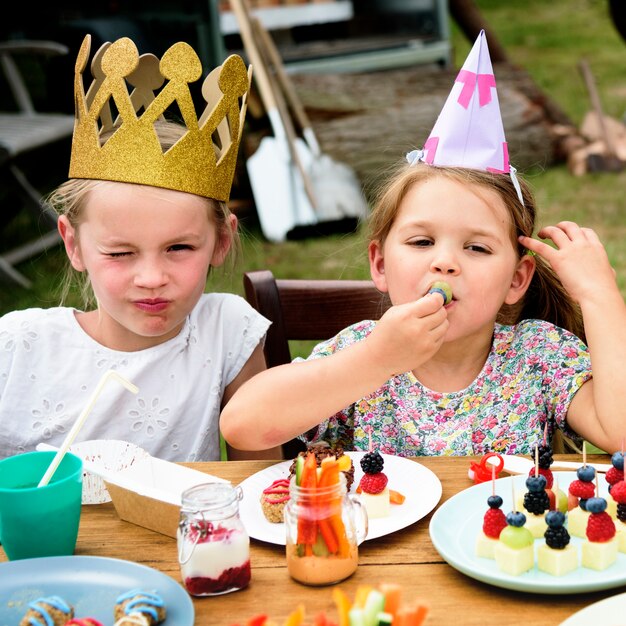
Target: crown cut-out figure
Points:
(131, 151)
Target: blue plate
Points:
(456, 524)
(90, 584)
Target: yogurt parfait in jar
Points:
(213, 545)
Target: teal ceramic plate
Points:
(90, 584)
(456, 524)
(420, 486)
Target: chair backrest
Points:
(308, 310)
(23, 130)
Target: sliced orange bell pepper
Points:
(362, 591)
(307, 528)
(395, 497)
(343, 606)
(412, 615)
(322, 620)
(338, 544)
(393, 597)
(328, 535)
(297, 617)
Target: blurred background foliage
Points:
(547, 39)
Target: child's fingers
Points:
(568, 231)
(431, 302)
(541, 248)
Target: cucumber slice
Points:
(299, 469)
(356, 617)
(374, 605)
(319, 547)
(384, 619)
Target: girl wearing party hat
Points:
(487, 367)
(143, 219)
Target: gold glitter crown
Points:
(202, 161)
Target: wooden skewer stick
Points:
(513, 494)
(536, 461)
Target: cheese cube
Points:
(557, 562)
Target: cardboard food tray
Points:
(149, 492)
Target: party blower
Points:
(78, 424)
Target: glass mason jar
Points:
(213, 545)
(324, 528)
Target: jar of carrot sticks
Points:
(324, 524)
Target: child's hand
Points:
(408, 335)
(579, 259)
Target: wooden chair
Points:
(22, 131)
(308, 310)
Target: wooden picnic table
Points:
(406, 556)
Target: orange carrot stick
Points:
(307, 531)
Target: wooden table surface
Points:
(407, 557)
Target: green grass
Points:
(547, 39)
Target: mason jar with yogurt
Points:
(213, 545)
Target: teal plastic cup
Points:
(39, 521)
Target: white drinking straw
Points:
(78, 424)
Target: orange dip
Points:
(320, 570)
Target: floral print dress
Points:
(531, 375)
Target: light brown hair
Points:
(546, 298)
(71, 197)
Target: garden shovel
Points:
(282, 191)
(337, 189)
(607, 161)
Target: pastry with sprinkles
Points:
(138, 604)
(48, 611)
(84, 621)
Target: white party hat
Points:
(469, 132)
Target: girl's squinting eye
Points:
(421, 243)
(180, 246)
(116, 255)
(476, 247)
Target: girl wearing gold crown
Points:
(484, 346)
(143, 219)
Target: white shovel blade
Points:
(279, 195)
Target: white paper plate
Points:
(420, 486)
(608, 612)
(110, 454)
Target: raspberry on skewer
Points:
(373, 485)
(613, 476)
(579, 492)
(494, 522)
(618, 496)
(600, 549)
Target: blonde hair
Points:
(546, 298)
(71, 197)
